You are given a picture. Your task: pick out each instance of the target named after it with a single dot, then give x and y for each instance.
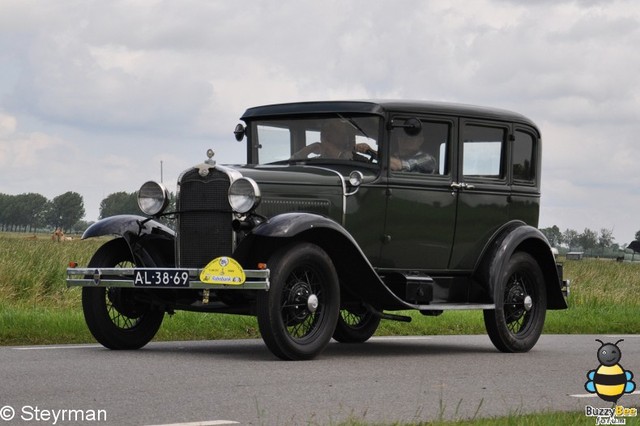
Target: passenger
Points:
(407, 155)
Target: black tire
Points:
(291, 327)
(114, 317)
(356, 325)
(516, 323)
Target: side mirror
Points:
(239, 132)
(411, 126)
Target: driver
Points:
(334, 143)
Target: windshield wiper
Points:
(355, 125)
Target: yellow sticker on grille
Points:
(223, 270)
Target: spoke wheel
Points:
(356, 325)
(114, 316)
(516, 323)
(298, 314)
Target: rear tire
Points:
(520, 297)
(298, 314)
(356, 325)
(114, 316)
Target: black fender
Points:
(357, 275)
(151, 242)
(518, 236)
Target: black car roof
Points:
(380, 107)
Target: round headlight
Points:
(244, 195)
(153, 198)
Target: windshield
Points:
(319, 139)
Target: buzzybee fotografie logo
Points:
(610, 381)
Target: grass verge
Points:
(36, 307)
(544, 419)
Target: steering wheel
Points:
(373, 155)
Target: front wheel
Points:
(521, 304)
(298, 314)
(115, 316)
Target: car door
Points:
(525, 175)
(482, 188)
(420, 211)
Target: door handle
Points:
(461, 185)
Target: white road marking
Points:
(205, 423)
(40, 348)
(594, 395)
(401, 338)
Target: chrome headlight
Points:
(153, 198)
(244, 195)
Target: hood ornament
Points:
(209, 163)
(210, 154)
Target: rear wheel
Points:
(115, 316)
(356, 325)
(298, 315)
(521, 304)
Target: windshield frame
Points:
(288, 135)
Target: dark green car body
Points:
(345, 212)
(413, 223)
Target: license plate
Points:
(160, 278)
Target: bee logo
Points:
(610, 381)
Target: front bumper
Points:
(123, 277)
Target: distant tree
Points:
(65, 210)
(119, 203)
(22, 212)
(553, 234)
(32, 208)
(12, 213)
(4, 205)
(588, 239)
(637, 236)
(605, 240)
(571, 238)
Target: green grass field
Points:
(36, 307)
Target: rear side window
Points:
(524, 170)
(424, 153)
(483, 151)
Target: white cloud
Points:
(116, 87)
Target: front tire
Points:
(114, 316)
(520, 297)
(298, 315)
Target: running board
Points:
(455, 306)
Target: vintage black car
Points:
(346, 213)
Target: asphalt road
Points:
(383, 380)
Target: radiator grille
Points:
(204, 219)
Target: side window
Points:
(278, 139)
(483, 151)
(524, 169)
(426, 153)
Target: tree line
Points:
(589, 241)
(31, 212)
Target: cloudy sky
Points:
(95, 95)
